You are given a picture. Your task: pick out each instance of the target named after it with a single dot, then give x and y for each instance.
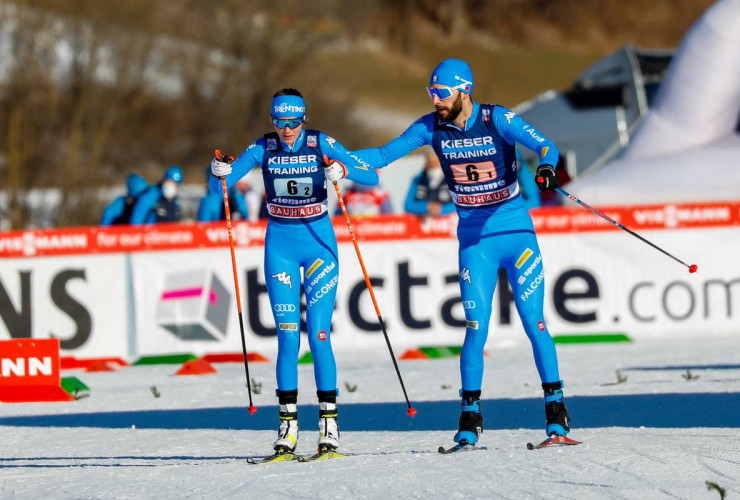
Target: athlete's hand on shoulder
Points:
(221, 165)
(334, 171)
(546, 178)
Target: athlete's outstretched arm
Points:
(356, 169)
(416, 136)
(250, 158)
(514, 129)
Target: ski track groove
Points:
(622, 471)
(716, 471)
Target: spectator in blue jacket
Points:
(159, 203)
(211, 206)
(527, 185)
(428, 192)
(121, 209)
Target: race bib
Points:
(471, 173)
(302, 186)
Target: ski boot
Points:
(328, 425)
(471, 419)
(556, 414)
(288, 431)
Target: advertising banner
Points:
(30, 371)
(595, 283)
(81, 300)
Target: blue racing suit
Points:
(299, 235)
(494, 229)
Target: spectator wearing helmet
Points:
(121, 209)
(159, 203)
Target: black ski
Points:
(464, 446)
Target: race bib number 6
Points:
(470, 173)
(302, 186)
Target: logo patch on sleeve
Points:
(544, 151)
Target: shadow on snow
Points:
(632, 410)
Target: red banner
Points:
(188, 236)
(30, 371)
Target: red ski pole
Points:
(229, 159)
(411, 411)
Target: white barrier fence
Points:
(131, 304)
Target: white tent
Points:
(688, 146)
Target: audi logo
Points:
(468, 304)
(284, 308)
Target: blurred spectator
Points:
(527, 186)
(159, 202)
(120, 210)
(428, 193)
(366, 201)
(211, 206)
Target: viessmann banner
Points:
(169, 288)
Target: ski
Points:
(460, 447)
(552, 441)
(324, 453)
(281, 456)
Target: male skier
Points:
(475, 145)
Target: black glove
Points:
(546, 178)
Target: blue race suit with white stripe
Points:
(494, 230)
(299, 235)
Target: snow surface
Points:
(655, 435)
